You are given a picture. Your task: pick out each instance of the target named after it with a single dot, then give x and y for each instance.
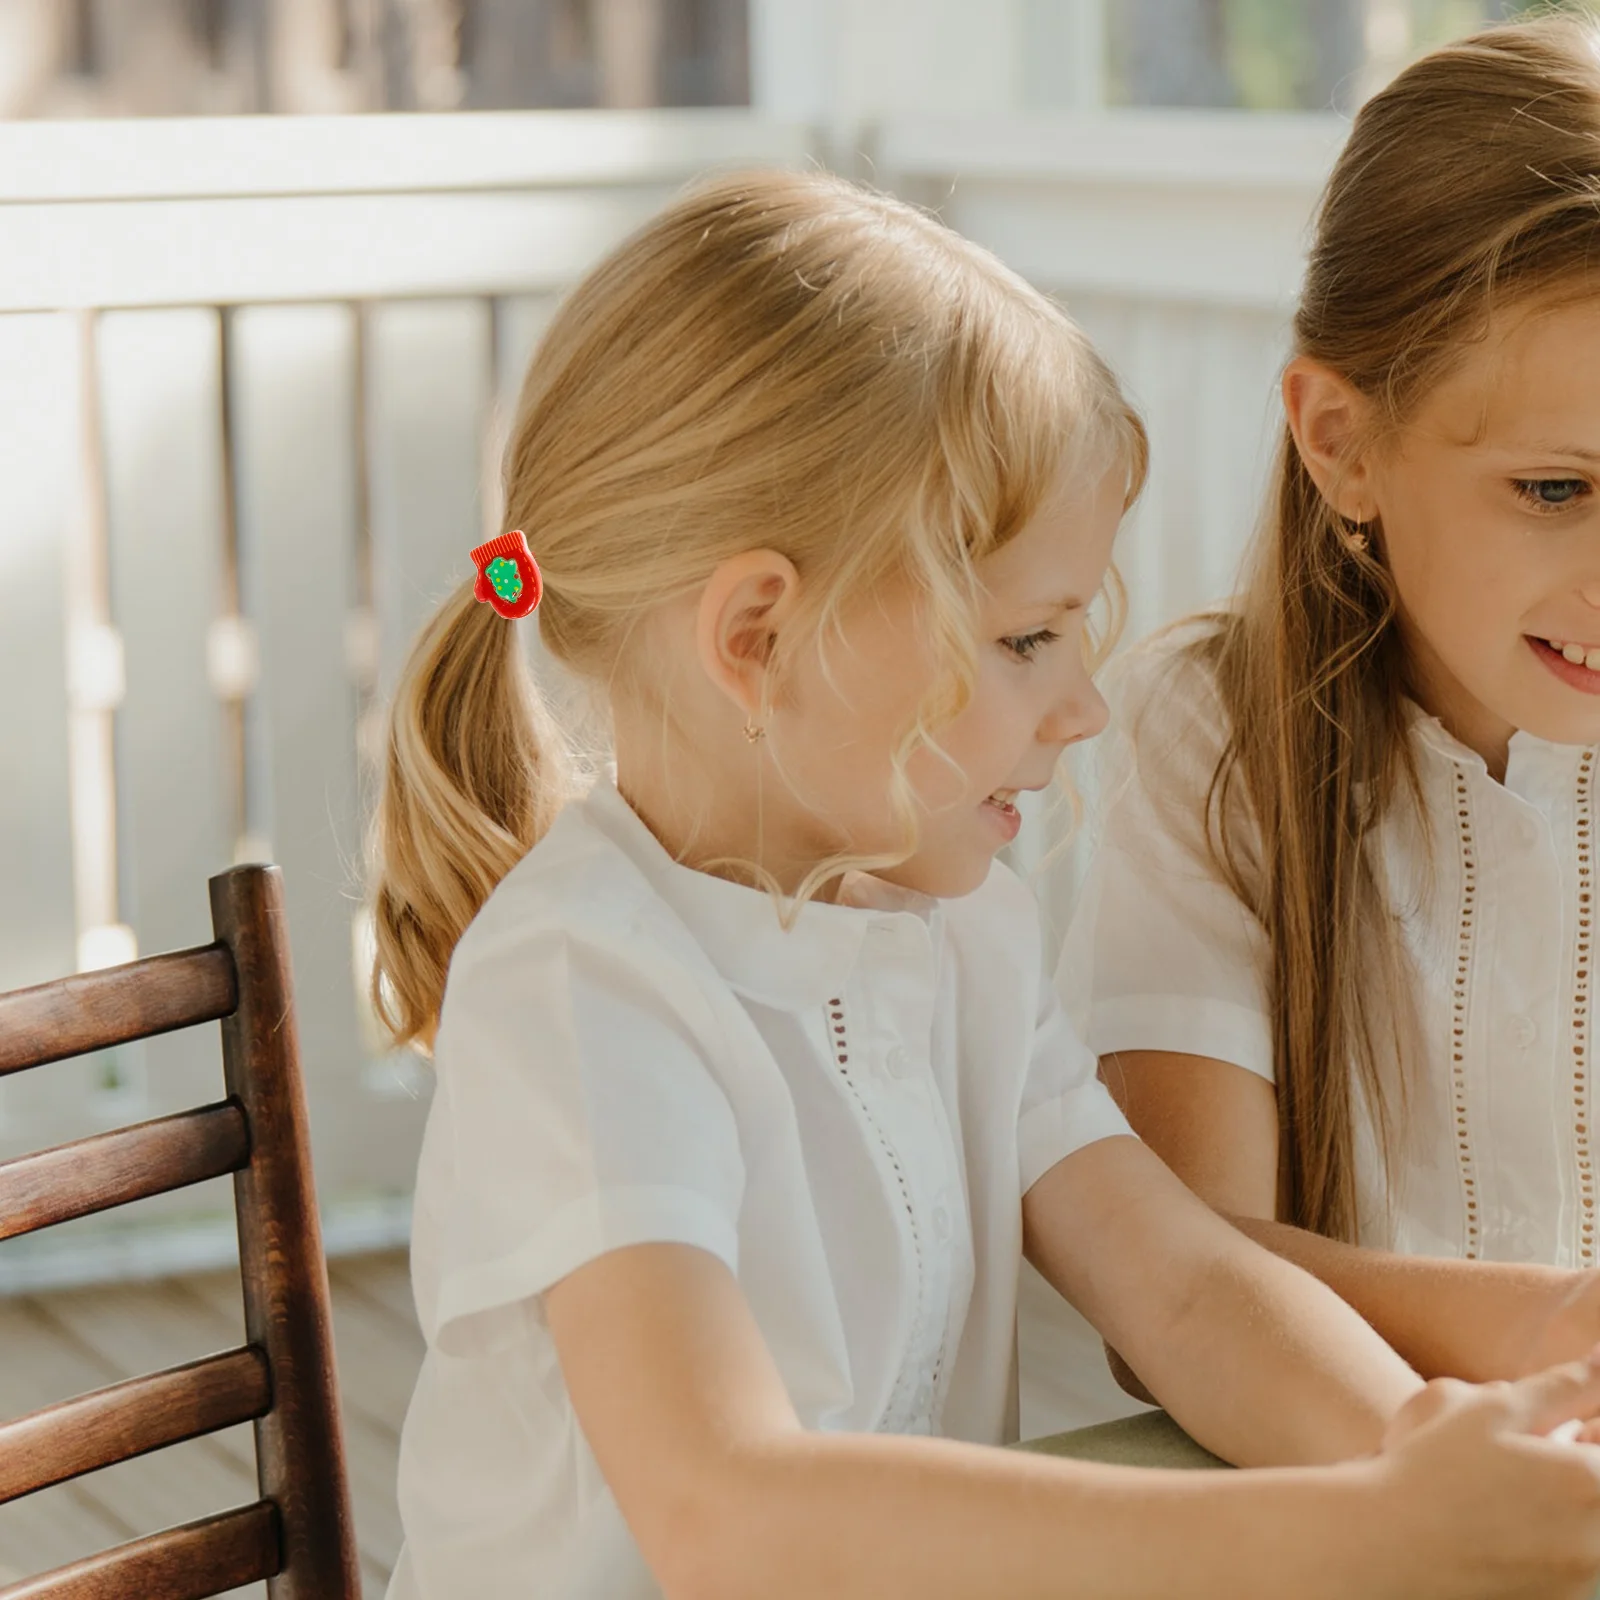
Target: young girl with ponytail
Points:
(1336, 950)
(752, 1089)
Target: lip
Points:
(1574, 675)
(1009, 823)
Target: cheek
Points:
(1462, 573)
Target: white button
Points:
(941, 1223)
(1524, 1030)
(897, 1062)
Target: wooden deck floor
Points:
(60, 1344)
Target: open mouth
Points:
(1579, 655)
(1576, 665)
(1006, 799)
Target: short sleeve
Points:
(1064, 1105)
(580, 1113)
(1161, 954)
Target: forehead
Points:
(1536, 377)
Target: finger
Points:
(1437, 1398)
(1560, 1394)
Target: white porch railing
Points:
(253, 381)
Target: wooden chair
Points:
(299, 1535)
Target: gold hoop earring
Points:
(752, 732)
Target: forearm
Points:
(1447, 1318)
(859, 1516)
(1266, 1366)
(1261, 1363)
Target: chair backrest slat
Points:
(112, 1169)
(129, 1419)
(300, 1536)
(95, 1010)
(299, 1445)
(203, 1558)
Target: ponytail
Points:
(475, 769)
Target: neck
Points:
(708, 810)
(1437, 691)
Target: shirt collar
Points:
(1525, 754)
(738, 927)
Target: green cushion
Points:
(1150, 1440)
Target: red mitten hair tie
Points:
(508, 576)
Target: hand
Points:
(1482, 1502)
(1566, 1326)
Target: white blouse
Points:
(1160, 955)
(847, 1114)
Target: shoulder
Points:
(1169, 725)
(1167, 683)
(578, 904)
(573, 885)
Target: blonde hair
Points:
(1468, 186)
(778, 361)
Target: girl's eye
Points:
(1551, 494)
(1024, 646)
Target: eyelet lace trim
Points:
(841, 1052)
(1580, 1011)
(1472, 1217)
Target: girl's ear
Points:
(743, 604)
(1326, 415)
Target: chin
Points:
(1554, 728)
(1554, 718)
(944, 880)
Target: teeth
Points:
(1005, 797)
(1577, 654)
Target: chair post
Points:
(299, 1443)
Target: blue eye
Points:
(1550, 494)
(1024, 646)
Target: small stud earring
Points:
(1356, 538)
(752, 732)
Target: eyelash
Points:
(1527, 488)
(1023, 646)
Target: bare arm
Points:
(1256, 1359)
(728, 1496)
(1215, 1125)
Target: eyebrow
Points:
(1051, 607)
(1541, 447)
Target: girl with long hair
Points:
(1336, 945)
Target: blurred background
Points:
(118, 58)
(270, 273)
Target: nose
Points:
(1591, 595)
(1080, 714)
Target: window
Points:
(1280, 55)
